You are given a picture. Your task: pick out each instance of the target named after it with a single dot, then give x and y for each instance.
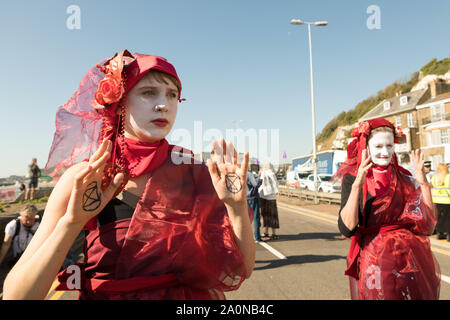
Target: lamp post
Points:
(314, 159)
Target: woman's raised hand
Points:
(366, 164)
(87, 198)
(418, 170)
(228, 176)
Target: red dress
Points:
(390, 258)
(179, 244)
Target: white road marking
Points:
(445, 278)
(314, 215)
(272, 250)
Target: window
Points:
(435, 161)
(301, 175)
(435, 137)
(387, 105)
(410, 119)
(398, 121)
(444, 136)
(403, 100)
(437, 112)
(429, 141)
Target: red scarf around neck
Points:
(142, 157)
(139, 158)
(378, 180)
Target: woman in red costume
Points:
(161, 225)
(389, 215)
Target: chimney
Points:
(432, 86)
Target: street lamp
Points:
(319, 24)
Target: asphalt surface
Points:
(306, 263)
(315, 261)
(314, 264)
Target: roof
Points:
(395, 108)
(436, 99)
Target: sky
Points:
(241, 63)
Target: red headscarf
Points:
(90, 116)
(354, 153)
(356, 147)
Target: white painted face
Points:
(381, 148)
(151, 109)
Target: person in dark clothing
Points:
(253, 183)
(34, 174)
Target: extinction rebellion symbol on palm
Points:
(233, 182)
(91, 198)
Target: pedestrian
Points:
(267, 201)
(253, 183)
(161, 225)
(441, 197)
(18, 233)
(389, 215)
(33, 173)
(428, 172)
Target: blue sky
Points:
(237, 60)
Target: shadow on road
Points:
(292, 260)
(311, 236)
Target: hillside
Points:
(326, 136)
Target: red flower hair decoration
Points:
(362, 129)
(111, 88)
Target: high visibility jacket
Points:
(441, 193)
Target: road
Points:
(315, 261)
(306, 263)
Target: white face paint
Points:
(381, 148)
(151, 109)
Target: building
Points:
(424, 117)
(434, 124)
(401, 111)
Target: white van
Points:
(324, 183)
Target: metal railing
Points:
(330, 198)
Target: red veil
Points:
(390, 255)
(179, 243)
(86, 119)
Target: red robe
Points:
(179, 244)
(391, 258)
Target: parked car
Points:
(296, 180)
(324, 182)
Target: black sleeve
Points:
(347, 182)
(259, 182)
